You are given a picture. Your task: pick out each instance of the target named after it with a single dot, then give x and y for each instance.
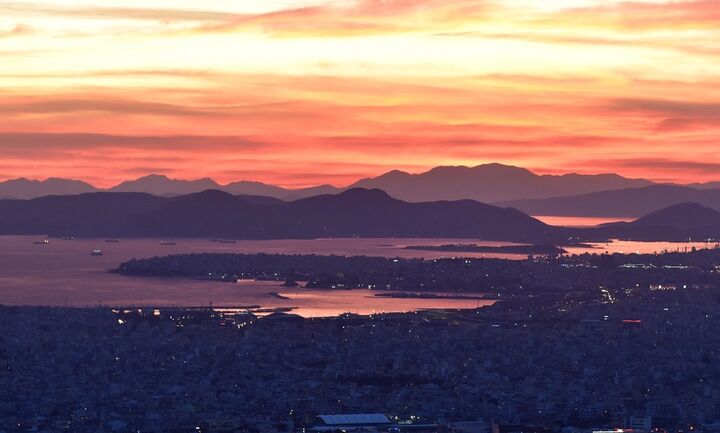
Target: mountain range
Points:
(491, 183)
(485, 183)
(601, 195)
(155, 184)
(356, 212)
(628, 202)
(164, 186)
(23, 188)
(217, 214)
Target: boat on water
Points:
(68, 238)
(167, 243)
(96, 253)
(113, 241)
(42, 242)
(227, 241)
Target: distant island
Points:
(411, 295)
(549, 250)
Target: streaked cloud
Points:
(300, 92)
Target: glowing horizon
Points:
(299, 93)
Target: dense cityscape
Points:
(541, 276)
(643, 356)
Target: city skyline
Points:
(299, 93)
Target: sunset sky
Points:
(298, 93)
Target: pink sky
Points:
(298, 93)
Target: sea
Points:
(65, 273)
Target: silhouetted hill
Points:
(502, 185)
(101, 213)
(296, 194)
(353, 213)
(25, 188)
(707, 185)
(246, 187)
(684, 215)
(164, 186)
(373, 213)
(491, 183)
(679, 222)
(212, 213)
(631, 202)
(263, 189)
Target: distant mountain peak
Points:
(392, 174)
(684, 215)
(492, 167)
(248, 182)
(24, 188)
(685, 208)
(160, 184)
(23, 180)
(488, 183)
(365, 193)
(499, 166)
(492, 182)
(625, 202)
(165, 178)
(153, 176)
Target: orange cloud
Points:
(635, 16)
(339, 90)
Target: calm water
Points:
(579, 221)
(64, 273)
(629, 247)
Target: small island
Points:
(414, 295)
(550, 250)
